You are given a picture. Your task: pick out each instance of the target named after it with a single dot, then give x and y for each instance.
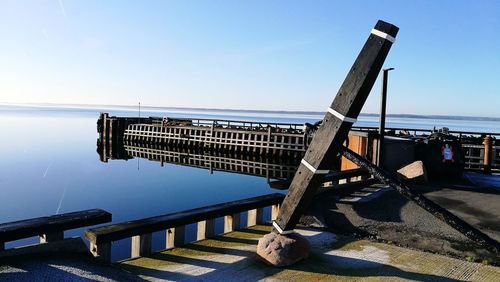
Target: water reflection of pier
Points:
(215, 161)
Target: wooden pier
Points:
(480, 151)
(279, 139)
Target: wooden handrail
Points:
(114, 232)
(366, 128)
(140, 230)
(51, 228)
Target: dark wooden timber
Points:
(433, 208)
(106, 234)
(51, 226)
(348, 102)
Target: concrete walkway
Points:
(232, 257)
(61, 268)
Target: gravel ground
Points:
(61, 268)
(392, 218)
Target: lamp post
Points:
(381, 128)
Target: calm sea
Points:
(49, 165)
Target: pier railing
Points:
(481, 150)
(50, 228)
(230, 124)
(174, 224)
(141, 230)
(274, 141)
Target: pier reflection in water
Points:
(277, 171)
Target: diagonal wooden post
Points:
(336, 125)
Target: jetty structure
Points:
(125, 138)
(330, 150)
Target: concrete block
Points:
(414, 172)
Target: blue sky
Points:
(274, 55)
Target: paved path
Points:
(232, 257)
(61, 268)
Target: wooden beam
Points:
(101, 251)
(51, 226)
(336, 124)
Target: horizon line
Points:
(306, 112)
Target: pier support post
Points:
(141, 245)
(175, 237)
(334, 129)
(101, 251)
(205, 229)
(487, 142)
(2, 246)
(231, 222)
(275, 210)
(255, 216)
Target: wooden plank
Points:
(141, 245)
(358, 144)
(335, 127)
(51, 224)
(128, 229)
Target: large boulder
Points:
(283, 250)
(414, 172)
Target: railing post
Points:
(175, 237)
(141, 245)
(205, 229)
(487, 154)
(231, 222)
(2, 246)
(275, 210)
(51, 237)
(255, 217)
(101, 251)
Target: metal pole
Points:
(381, 128)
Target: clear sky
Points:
(275, 55)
